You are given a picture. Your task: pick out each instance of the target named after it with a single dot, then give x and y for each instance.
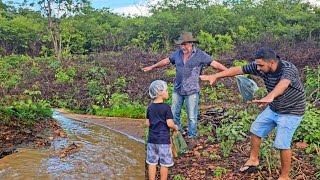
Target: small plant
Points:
(214, 157)
(96, 73)
(170, 72)
(65, 76)
(205, 129)
(239, 63)
(205, 153)
(268, 153)
(120, 83)
(179, 177)
(210, 139)
(119, 100)
(308, 130)
(229, 133)
(219, 171)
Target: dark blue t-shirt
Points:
(159, 131)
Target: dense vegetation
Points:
(90, 60)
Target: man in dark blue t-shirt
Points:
(189, 62)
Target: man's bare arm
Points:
(161, 63)
(226, 73)
(277, 91)
(217, 65)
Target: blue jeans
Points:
(192, 111)
(286, 125)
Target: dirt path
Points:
(132, 127)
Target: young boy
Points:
(159, 120)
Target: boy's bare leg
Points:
(164, 173)
(285, 164)
(152, 172)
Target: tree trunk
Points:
(55, 32)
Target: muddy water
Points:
(105, 154)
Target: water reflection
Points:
(105, 155)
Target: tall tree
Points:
(54, 10)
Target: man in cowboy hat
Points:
(189, 61)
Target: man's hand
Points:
(176, 128)
(264, 101)
(210, 78)
(146, 69)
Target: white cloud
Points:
(315, 2)
(141, 9)
(137, 10)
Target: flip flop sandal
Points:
(250, 168)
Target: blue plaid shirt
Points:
(187, 75)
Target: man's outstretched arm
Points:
(217, 65)
(226, 73)
(161, 63)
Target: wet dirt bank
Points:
(15, 135)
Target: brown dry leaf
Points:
(195, 164)
(63, 135)
(198, 148)
(62, 155)
(196, 153)
(301, 145)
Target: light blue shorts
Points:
(286, 125)
(159, 152)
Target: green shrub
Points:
(231, 132)
(65, 76)
(26, 111)
(134, 110)
(118, 100)
(96, 73)
(308, 131)
(312, 82)
(215, 45)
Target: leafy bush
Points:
(215, 45)
(26, 112)
(119, 100)
(312, 83)
(120, 84)
(234, 131)
(96, 92)
(308, 131)
(96, 73)
(134, 110)
(239, 63)
(65, 76)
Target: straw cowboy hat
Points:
(186, 37)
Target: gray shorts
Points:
(159, 152)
